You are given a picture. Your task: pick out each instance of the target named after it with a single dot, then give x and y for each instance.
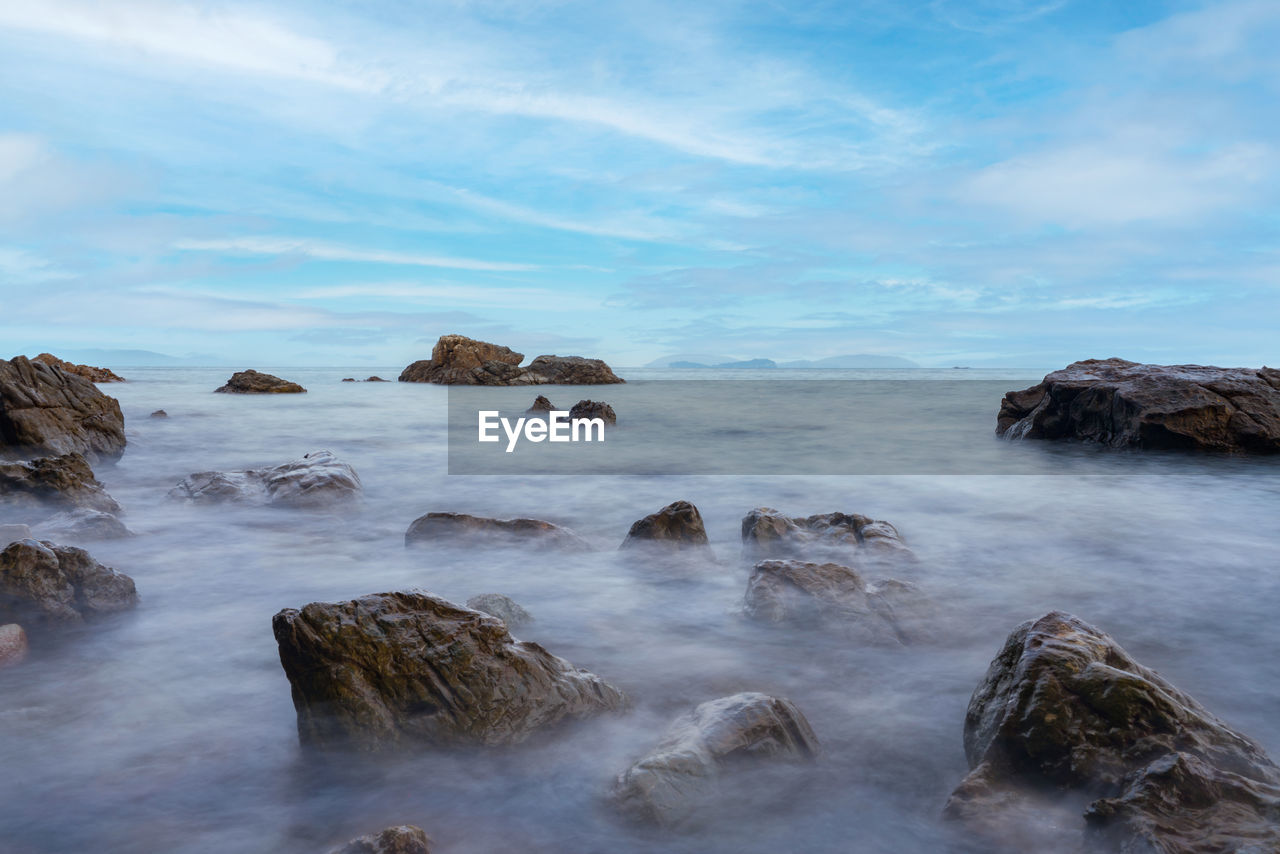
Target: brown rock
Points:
(348, 379)
(64, 481)
(375, 380)
(462, 529)
(392, 669)
(767, 533)
(253, 382)
(569, 370)
(93, 375)
(46, 411)
(159, 413)
(458, 360)
(1125, 404)
(405, 839)
(593, 409)
(13, 644)
(43, 582)
(676, 526)
(540, 404)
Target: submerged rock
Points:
(92, 374)
(1126, 404)
(677, 526)
(62, 481)
(83, 524)
(766, 533)
(348, 379)
(1064, 707)
(464, 530)
(459, 360)
(159, 413)
(375, 380)
(668, 786)
(13, 644)
(391, 669)
(44, 582)
(318, 479)
(253, 382)
(502, 607)
(405, 839)
(46, 411)
(593, 409)
(540, 404)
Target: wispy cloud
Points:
(322, 251)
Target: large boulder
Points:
(318, 479)
(1064, 708)
(671, 783)
(1126, 404)
(678, 526)
(43, 582)
(503, 607)
(13, 644)
(62, 481)
(255, 382)
(404, 839)
(46, 411)
(766, 533)
(459, 360)
(464, 530)
(836, 598)
(391, 669)
(92, 374)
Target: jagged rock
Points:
(318, 479)
(83, 524)
(13, 644)
(46, 411)
(1125, 404)
(43, 582)
(11, 533)
(405, 839)
(836, 597)
(1063, 707)
(540, 404)
(159, 413)
(676, 526)
(669, 785)
(395, 668)
(93, 375)
(503, 607)
(593, 409)
(459, 360)
(464, 530)
(253, 382)
(766, 533)
(64, 481)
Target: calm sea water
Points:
(171, 728)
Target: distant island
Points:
(854, 361)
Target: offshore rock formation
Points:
(46, 411)
(318, 479)
(404, 839)
(253, 382)
(43, 582)
(1125, 404)
(678, 526)
(392, 669)
(64, 481)
(459, 360)
(92, 374)
(464, 530)
(1063, 707)
(540, 404)
(766, 533)
(593, 409)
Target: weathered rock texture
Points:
(837, 598)
(62, 481)
(1126, 404)
(503, 607)
(669, 785)
(46, 411)
(319, 479)
(253, 382)
(464, 530)
(676, 526)
(396, 668)
(767, 533)
(459, 360)
(1064, 707)
(92, 374)
(43, 582)
(593, 409)
(13, 644)
(405, 839)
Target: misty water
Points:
(171, 728)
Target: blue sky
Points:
(994, 182)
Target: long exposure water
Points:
(170, 728)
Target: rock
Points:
(348, 379)
(676, 526)
(44, 582)
(502, 607)
(540, 404)
(93, 375)
(593, 409)
(375, 380)
(835, 597)
(46, 411)
(83, 524)
(471, 531)
(568, 370)
(13, 644)
(1125, 404)
(391, 669)
(159, 413)
(405, 839)
(458, 360)
(65, 481)
(669, 785)
(766, 533)
(11, 533)
(1063, 707)
(318, 479)
(253, 382)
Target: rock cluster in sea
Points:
(459, 360)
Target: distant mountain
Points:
(858, 360)
(126, 358)
(700, 359)
(749, 363)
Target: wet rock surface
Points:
(459, 360)
(404, 839)
(92, 374)
(677, 526)
(766, 533)
(46, 583)
(467, 530)
(316, 480)
(45, 411)
(391, 669)
(61, 481)
(727, 735)
(1126, 404)
(503, 607)
(255, 382)
(1063, 707)
(593, 409)
(13, 644)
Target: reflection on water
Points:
(171, 728)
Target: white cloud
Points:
(322, 251)
(543, 299)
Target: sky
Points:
(994, 182)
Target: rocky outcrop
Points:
(375, 379)
(318, 479)
(62, 481)
(13, 644)
(159, 413)
(83, 524)
(1125, 404)
(540, 404)
(459, 360)
(46, 411)
(92, 374)
(1063, 707)
(253, 382)
(766, 533)
(836, 598)
(593, 409)
(503, 607)
(471, 531)
(404, 839)
(392, 669)
(677, 526)
(728, 735)
(43, 582)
